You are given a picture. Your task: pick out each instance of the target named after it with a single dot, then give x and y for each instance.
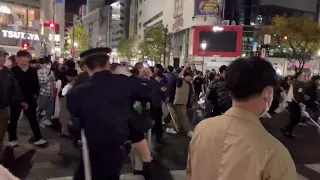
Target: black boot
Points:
(147, 171)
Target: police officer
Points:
(102, 109)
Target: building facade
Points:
(19, 24)
(22, 25)
(252, 12)
(106, 24)
(148, 13)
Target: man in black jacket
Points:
(27, 79)
(220, 94)
(9, 92)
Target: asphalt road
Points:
(58, 160)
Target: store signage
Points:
(20, 35)
(208, 7)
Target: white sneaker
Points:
(40, 142)
(171, 131)
(13, 144)
(47, 122)
(190, 133)
(41, 124)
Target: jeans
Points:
(46, 103)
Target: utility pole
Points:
(165, 30)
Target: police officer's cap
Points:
(95, 51)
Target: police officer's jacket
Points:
(103, 106)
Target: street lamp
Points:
(203, 46)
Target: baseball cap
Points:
(3, 51)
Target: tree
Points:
(297, 38)
(126, 48)
(154, 43)
(81, 39)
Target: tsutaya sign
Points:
(20, 35)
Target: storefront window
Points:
(15, 17)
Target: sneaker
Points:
(190, 133)
(40, 142)
(47, 122)
(13, 144)
(41, 124)
(171, 131)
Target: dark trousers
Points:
(295, 116)
(4, 119)
(106, 164)
(156, 114)
(31, 113)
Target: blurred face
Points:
(266, 99)
(3, 58)
(188, 78)
(145, 73)
(24, 61)
(33, 65)
(302, 77)
(47, 66)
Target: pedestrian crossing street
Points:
(180, 174)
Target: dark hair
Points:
(96, 61)
(296, 76)
(222, 69)
(23, 53)
(315, 78)
(46, 61)
(248, 77)
(135, 72)
(160, 73)
(138, 65)
(70, 64)
(159, 66)
(12, 58)
(170, 69)
(114, 66)
(33, 61)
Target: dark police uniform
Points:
(102, 108)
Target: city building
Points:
(20, 25)
(253, 12)
(189, 22)
(145, 14)
(106, 24)
(23, 25)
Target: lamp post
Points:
(203, 46)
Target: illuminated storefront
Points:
(18, 25)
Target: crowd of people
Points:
(108, 109)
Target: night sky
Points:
(73, 5)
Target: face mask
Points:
(268, 105)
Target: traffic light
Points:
(25, 46)
(50, 24)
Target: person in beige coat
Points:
(235, 145)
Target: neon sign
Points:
(20, 35)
